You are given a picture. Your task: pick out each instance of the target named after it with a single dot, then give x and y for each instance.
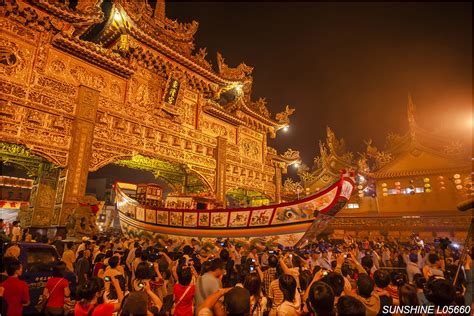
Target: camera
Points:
(271, 252)
(325, 273)
(443, 242)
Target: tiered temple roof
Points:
(120, 34)
(416, 153)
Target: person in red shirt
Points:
(89, 293)
(57, 288)
(16, 292)
(184, 293)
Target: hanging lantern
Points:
(397, 183)
(385, 194)
(457, 181)
(441, 177)
(459, 187)
(360, 187)
(442, 188)
(361, 194)
(441, 183)
(428, 190)
(384, 189)
(426, 180)
(384, 185)
(457, 176)
(427, 185)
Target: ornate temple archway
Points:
(85, 88)
(48, 187)
(179, 177)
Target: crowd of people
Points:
(126, 276)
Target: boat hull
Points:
(284, 223)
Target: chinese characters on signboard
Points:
(172, 92)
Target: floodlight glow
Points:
(117, 16)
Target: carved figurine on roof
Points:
(327, 167)
(150, 16)
(242, 105)
(56, 16)
(242, 74)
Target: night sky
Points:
(347, 65)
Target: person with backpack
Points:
(258, 302)
(183, 293)
(56, 290)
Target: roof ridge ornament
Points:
(284, 117)
(238, 73)
(411, 110)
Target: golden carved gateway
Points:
(89, 84)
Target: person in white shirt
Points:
(253, 255)
(85, 243)
(314, 260)
(264, 258)
(386, 256)
(291, 297)
(376, 259)
(131, 255)
(412, 266)
(16, 231)
(236, 256)
(324, 261)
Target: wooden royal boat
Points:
(290, 224)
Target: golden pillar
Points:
(277, 183)
(75, 178)
(221, 169)
(42, 199)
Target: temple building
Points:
(85, 84)
(414, 185)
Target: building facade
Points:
(414, 184)
(92, 83)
